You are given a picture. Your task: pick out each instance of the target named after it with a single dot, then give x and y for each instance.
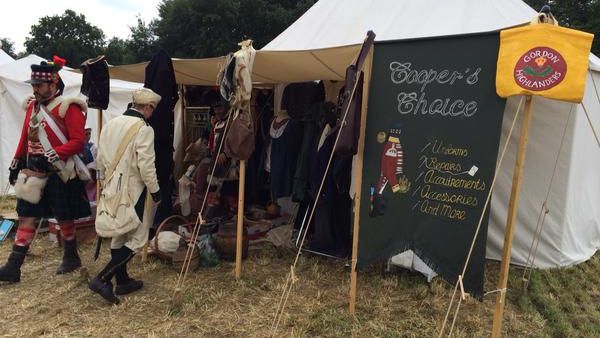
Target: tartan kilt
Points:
(60, 200)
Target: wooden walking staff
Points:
(240, 221)
(512, 215)
(358, 180)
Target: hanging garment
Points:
(334, 209)
(299, 97)
(283, 155)
(95, 83)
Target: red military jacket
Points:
(70, 116)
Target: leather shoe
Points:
(129, 287)
(104, 289)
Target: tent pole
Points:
(358, 180)
(240, 220)
(512, 215)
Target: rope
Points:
(290, 281)
(533, 249)
(443, 328)
(590, 122)
(494, 291)
(199, 220)
(594, 83)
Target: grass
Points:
(559, 302)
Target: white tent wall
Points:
(548, 126)
(581, 236)
(571, 232)
(13, 91)
(5, 58)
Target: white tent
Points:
(5, 58)
(13, 91)
(572, 226)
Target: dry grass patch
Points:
(559, 303)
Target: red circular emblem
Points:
(541, 68)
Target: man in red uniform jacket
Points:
(41, 153)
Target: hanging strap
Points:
(78, 163)
(122, 147)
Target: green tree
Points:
(203, 28)
(142, 43)
(8, 46)
(68, 35)
(116, 51)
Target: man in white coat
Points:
(134, 174)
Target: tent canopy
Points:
(269, 67)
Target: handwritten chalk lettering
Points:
(402, 73)
(431, 177)
(411, 103)
(448, 149)
(473, 78)
(430, 208)
(441, 196)
(434, 163)
(453, 213)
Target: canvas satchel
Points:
(240, 138)
(115, 213)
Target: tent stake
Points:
(512, 215)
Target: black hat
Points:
(46, 72)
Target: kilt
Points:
(60, 200)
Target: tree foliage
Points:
(68, 35)
(204, 28)
(140, 45)
(8, 46)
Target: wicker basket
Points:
(176, 259)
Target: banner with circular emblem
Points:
(544, 60)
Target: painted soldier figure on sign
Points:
(46, 172)
(392, 171)
(392, 164)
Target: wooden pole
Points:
(512, 215)
(240, 221)
(99, 130)
(358, 181)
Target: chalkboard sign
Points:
(432, 136)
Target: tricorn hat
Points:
(46, 72)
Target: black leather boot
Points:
(71, 260)
(125, 284)
(11, 271)
(104, 289)
(101, 284)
